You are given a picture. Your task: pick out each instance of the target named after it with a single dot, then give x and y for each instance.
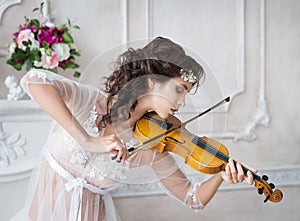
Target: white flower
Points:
(38, 64)
(35, 44)
(12, 47)
(63, 50)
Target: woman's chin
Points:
(164, 116)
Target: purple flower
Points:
(33, 28)
(46, 35)
(24, 27)
(15, 34)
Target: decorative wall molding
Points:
(240, 87)
(285, 176)
(240, 18)
(5, 4)
(148, 18)
(261, 117)
(125, 27)
(21, 171)
(22, 111)
(11, 148)
(14, 162)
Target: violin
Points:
(201, 153)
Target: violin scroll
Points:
(263, 187)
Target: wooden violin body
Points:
(201, 153)
(180, 142)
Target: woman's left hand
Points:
(234, 173)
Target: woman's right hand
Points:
(108, 144)
(113, 145)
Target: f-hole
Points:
(175, 140)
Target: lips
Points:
(173, 111)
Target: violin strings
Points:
(222, 156)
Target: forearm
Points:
(208, 188)
(49, 100)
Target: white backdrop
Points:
(250, 50)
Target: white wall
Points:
(250, 50)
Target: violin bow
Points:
(140, 146)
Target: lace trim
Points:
(90, 124)
(38, 74)
(192, 201)
(79, 156)
(108, 168)
(102, 165)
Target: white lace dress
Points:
(72, 184)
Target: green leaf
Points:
(70, 64)
(48, 52)
(35, 22)
(35, 9)
(74, 52)
(10, 61)
(45, 44)
(18, 66)
(67, 37)
(63, 26)
(25, 43)
(20, 55)
(76, 27)
(52, 70)
(77, 74)
(37, 57)
(69, 22)
(29, 63)
(41, 8)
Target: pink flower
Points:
(24, 35)
(50, 62)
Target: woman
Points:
(77, 172)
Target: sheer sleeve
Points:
(70, 91)
(172, 180)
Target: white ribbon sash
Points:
(76, 185)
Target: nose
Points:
(181, 102)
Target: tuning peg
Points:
(265, 177)
(272, 185)
(260, 190)
(267, 198)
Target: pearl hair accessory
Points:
(188, 75)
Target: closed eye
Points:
(180, 89)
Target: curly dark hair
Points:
(159, 60)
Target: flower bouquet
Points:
(43, 45)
